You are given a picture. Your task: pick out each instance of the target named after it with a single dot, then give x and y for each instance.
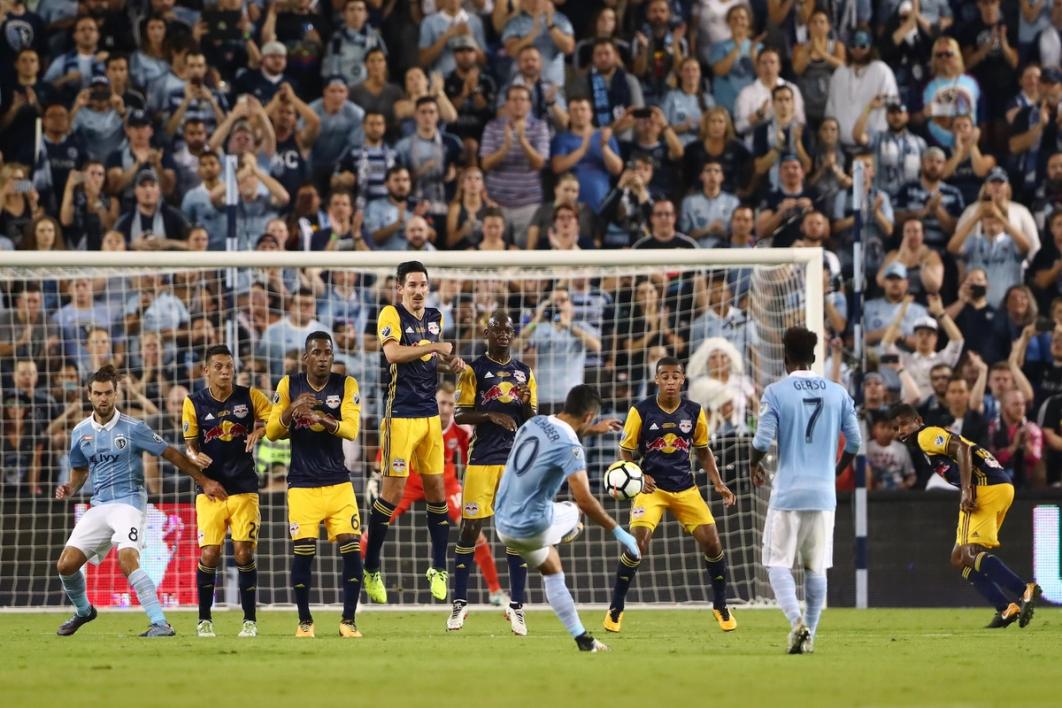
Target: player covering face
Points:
(659, 434)
(986, 496)
(104, 447)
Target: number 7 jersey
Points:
(807, 414)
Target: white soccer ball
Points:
(624, 480)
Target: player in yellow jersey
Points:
(986, 497)
(411, 433)
(222, 423)
(318, 410)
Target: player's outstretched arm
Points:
(78, 475)
(579, 485)
(209, 486)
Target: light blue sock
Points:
(145, 593)
(815, 595)
(562, 603)
(785, 592)
(74, 585)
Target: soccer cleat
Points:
(725, 618)
(348, 629)
(573, 534)
(205, 628)
(587, 643)
(74, 623)
(515, 615)
(797, 638)
(498, 598)
(374, 587)
(250, 629)
(456, 620)
(809, 645)
(437, 580)
(1008, 616)
(159, 629)
(613, 621)
(305, 629)
(1028, 601)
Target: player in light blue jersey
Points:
(105, 449)
(806, 413)
(545, 453)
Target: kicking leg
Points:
(561, 601)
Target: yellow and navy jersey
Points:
(490, 387)
(317, 453)
(929, 447)
(411, 387)
(220, 430)
(661, 440)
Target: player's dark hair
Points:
(106, 373)
(799, 343)
(317, 335)
(668, 361)
(216, 350)
(581, 400)
(408, 267)
(499, 316)
(903, 410)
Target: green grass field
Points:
(663, 659)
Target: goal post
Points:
(154, 313)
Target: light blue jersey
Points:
(545, 452)
(112, 454)
(806, 413)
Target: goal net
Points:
(62, 315)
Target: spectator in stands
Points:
(1049, 420)
(897, 151)
(781, 135)
(654, 138)
(151, 223)
(627, 209)
(193, 144)
(783, 208)
(753, 106)
(464, 220)
(1027, 115)
(968, 166)
(932, 201)
(20, 448)
(990, 242)
(385, 219)
(717, 141)
(961, 418)
(975, 317)
(343, 232)
(43, 234)
(418, 234)
(644, 326)
(340, 126)
(97, 118)
(301, 27)
(933, 408)
(376, 94)
(706, 214)
(86, 211)
(136, 155)
(854, 86)
(566, 192)
(611, 90)
(880, 312)
(815, 59)
(515, 147)
(888, 459)
(1047, 198)
(925, 355)
(364, 167)
(950, 92)
(494, 232)
(548, 103)
(1016, 442)
(441, 32)
(684, 105)
(989, 46)
(1046, 376)
(592, 155)
(604, 25)
(732, 58)
(73, 71)
(828, 176)
(431, 156)
(349, 43)
(25, 332)
(997, 189)
(1045, 271)
(473, 93)
(878, 219)
(160, 477)
(150, 61)
(24, 98)
(662, 233)
(344, 301)
(562, 233)
(19, 202)
(199, 205)
(417, 86)
(558, 345)
(722, 318)
(659, 48)
(291, 331)
(539, 24)
(186, 93)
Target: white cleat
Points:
(516, 621)
(798, 638)
(456, 620)
(250, 629)
(809, 645)
(205, 628)
(590, 645)
(498, 598)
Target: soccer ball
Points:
(623, 480)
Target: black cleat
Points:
(586, 642)
(1028, 602)
(73, 624)
(1005, 618)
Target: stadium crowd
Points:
(416, 125)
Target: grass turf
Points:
(663, 659)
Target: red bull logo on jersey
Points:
(504, 392)
(667, 444)
(225, 431)
(240, 411)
